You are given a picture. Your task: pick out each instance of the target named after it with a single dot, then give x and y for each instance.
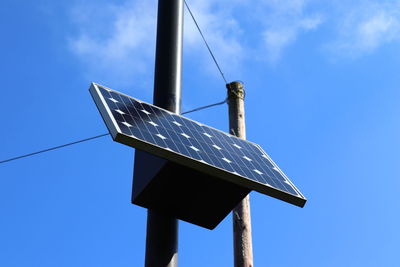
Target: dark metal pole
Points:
(242, 239)
(168, 69)
(162, 230)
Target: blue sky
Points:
(322, 99)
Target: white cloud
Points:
(117, 41)
(287, 20)
(273, 25)
(276, 39)
(222, 31)
(380, 28)
(366, 27)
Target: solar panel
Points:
(165, 134)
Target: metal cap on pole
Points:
(242, 240)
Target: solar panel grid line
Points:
(282, 173)
(131, 112)
(191, 143)
(174, 137)
(226, 147)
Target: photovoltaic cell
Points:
(176, 138)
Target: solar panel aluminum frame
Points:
(120, 137)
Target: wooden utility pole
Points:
(242, 241)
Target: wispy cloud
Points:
(117, 41)
(287, 20)
(276, 39)
(274, 25)
(222, 31)
(366, 27)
